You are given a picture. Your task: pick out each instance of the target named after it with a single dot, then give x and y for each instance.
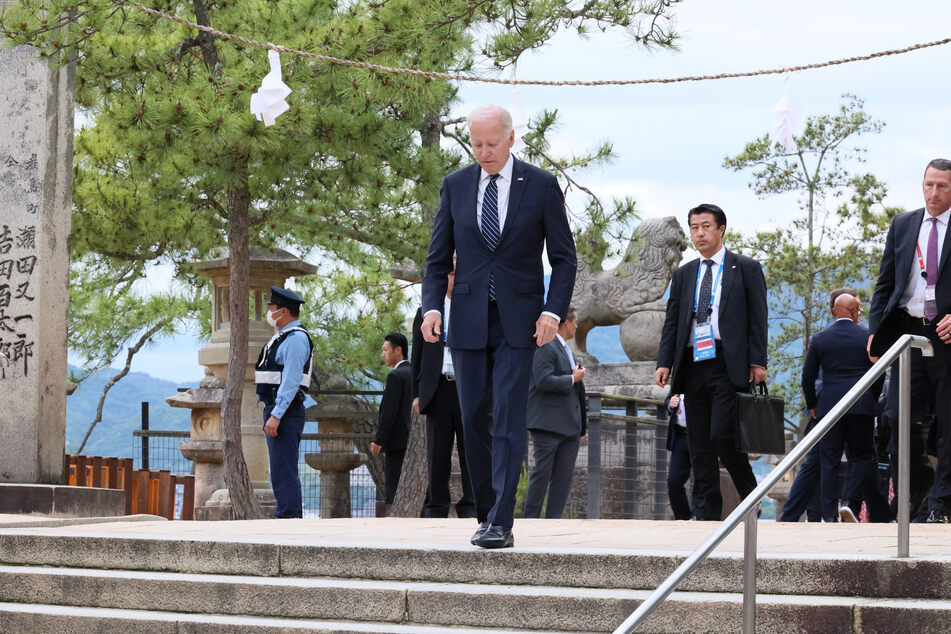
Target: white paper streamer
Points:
(268, 103)
(519, 120)
(785, 116)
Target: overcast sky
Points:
(671, 139)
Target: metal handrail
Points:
(746, 510)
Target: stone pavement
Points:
(591, 536)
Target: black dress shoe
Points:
(937, 517)
(495, 537)
(476, 536)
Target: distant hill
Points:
(122, 412)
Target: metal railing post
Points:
(749, 572)
(904, 439)
(594, 457)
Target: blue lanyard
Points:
(713, 289)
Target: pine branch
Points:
(128, 366)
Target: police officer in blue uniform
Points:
(282, 376)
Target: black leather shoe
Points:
(937, 517)
(495, 537)
(476, 536)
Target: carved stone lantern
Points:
(267, 268)
(336, 415)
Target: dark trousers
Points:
(678, 472)
(856, 433)
(283, 451)
(930, 394)
(392, 468)
(555, 456)
(443, 430)
(492, 384)
(804, 494)
(710, 402)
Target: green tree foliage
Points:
(836, 242)
(170, 163)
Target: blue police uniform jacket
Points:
(270, 374)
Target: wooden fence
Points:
(146, 491)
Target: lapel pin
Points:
(519, 179)
(733, 267)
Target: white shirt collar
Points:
(844, 319)
(943, 217)
(718, 257)
(561, 339)
(400, 363)
(505, 172)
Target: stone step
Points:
(460, 605)
(40, 618)
(797, 574)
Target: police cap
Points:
(285, 299)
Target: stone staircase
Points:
(53, 581)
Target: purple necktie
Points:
(931, 308)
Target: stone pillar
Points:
(267, 268)
(36, 158)
(204, 445)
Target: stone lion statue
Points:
(630, 294)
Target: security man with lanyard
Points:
(282, 375)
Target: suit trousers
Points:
(443, 430)
(492, 383)
(710, 403)
(804, 494)
(854, 432)
(678, 472)
(392, 469)
(930, 395)
(555, 456)
(283, 451)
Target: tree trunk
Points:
(414, 479)
(239, 254)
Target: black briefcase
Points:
(758, 422)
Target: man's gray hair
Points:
(939, 164)
(491, 111)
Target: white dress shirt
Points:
(913, 299)
(717, 281)
(564, 344)
(446, 352)
(504, 183)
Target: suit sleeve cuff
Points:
(550, 314)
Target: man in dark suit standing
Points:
(839, 350)
(556, 420)
(434, 395)
(497, 216)
(713, 344)
(913, 296)
(392, 431)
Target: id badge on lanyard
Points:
(704, 347)
(930, 303)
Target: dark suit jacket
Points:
(839, 349)
(555, 403)
(396, 406)
(742, 319)
(536, 218)
(897, 259)
(426, 361)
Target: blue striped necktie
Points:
(490, 228)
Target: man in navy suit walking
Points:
(497, 216)
(840, 351)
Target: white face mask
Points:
(271, 320)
